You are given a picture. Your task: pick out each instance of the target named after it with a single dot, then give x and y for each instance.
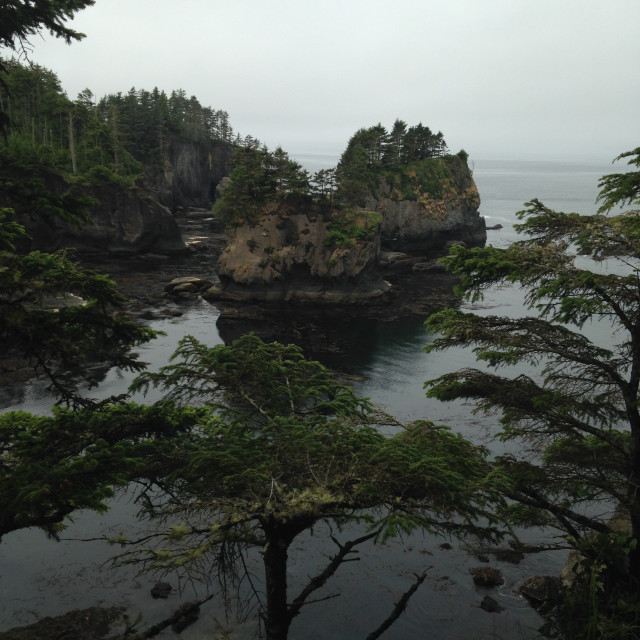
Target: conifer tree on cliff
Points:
(577, 418)
(20, 19)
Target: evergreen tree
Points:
(281, 446)
(261, 182)
(395, 143)
(61, 318)
(576, 416)
(19, 20)
(54, 465)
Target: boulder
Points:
(161, 590)
(541, 590)
(187, 288)
(487, 576)
(491, 605)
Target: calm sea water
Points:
(40, 577)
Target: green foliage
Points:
(101, 175)
(270, 379)
(412, 161)
(621, 189)
(62, 318)
(575, 415)
(89, 138)
(52, 465)
(599, 605)
(21, 20)
(348, 227)
(280, 426)
(281, 445)
(145, 120)
(42, 321)
(411, 181)
(260, 183)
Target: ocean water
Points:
(41, 577)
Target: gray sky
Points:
(500, 78)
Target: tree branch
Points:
(401, 605)
(319, 580)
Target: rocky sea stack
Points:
(324, 238)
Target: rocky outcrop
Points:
(487, 576)
(122, 221)
(427, 223)
(430, 226)
(292, 257)
(422, 209)
(189, 172)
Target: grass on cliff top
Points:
(435, 177)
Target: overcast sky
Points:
(530, 79)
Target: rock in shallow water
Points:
(491, 605)
(487, 576)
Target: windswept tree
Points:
(281, 446)
(576, 417)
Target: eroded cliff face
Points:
(292, 257)
(189, 172)
(428, 224)
(125, 221)
(121, 221)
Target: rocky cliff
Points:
(126, 220)
(423, 216)
(300, 257)
(122, 220)
(430, 224)
(189, 172)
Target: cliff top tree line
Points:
(412, 158)
(118, 131)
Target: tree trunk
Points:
(72, 146)
(633, 484)
(634, 516)
(279, 535)
(277, 618)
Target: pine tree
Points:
(575, 418)
(281, 446)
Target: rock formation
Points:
(292, 257)
(429, 224)
(122, 221)
(188, 173)
(130, 220)
(309, 256)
